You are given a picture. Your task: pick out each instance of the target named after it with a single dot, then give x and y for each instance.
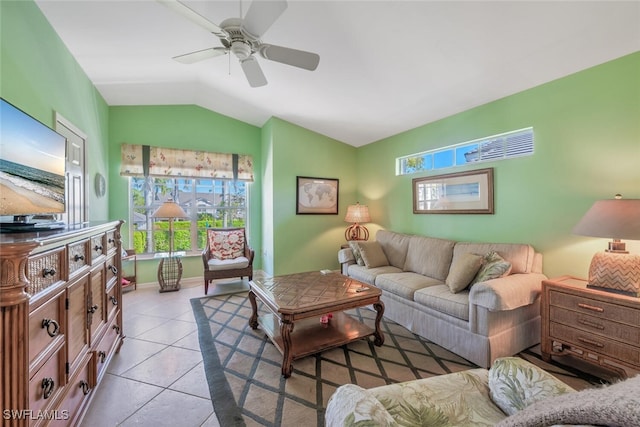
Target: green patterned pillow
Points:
(355, 248)
(493, 266)
(515, 384)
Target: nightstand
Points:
(597, 326)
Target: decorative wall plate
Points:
(100, 185)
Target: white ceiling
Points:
(385, 66)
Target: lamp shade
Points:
(615, 219)
(169, 209)
(357, 213)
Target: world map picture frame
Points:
(316, 196)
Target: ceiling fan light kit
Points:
(242, 38)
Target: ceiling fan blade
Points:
(253, 72)
(200, 55)
(261, 15)
(193, 16)
(294, 57)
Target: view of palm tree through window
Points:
(207, 202)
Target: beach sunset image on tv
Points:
(32, 165)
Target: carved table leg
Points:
(286, 328)
(379, 337)
(253, 320)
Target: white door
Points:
(75, 172)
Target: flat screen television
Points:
(32, 171)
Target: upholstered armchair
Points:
(226, 255)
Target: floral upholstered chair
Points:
(226, 255)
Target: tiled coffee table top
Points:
(312, 289)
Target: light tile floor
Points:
(157, 378)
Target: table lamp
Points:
(356, 214)
(614, 270)
(170, 210)
(169, 273)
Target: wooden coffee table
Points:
(298, 301)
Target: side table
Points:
(169, 271)
(594, 325)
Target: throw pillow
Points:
(515, 384)
(373, 255)
(226, 244)
(493, 267)
(462, 272)
(355, 248)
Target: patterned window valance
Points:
(144, 160)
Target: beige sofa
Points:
(513, 393)
(489, 319)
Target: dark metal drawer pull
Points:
(52, 327)
(113, 269)
(92, 309)
(97, 248)
(114, 300)
(591, 307)
(85, 387)
(77, 258)
(48, 385)
(102, 356)
(591, 342)
(48, 272)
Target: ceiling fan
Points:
(242, 38)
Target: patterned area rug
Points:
(243, 366)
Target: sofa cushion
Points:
(404, 284)
(372, 254)
(515, 385)
(228, 264)
(355, 248)
(441, 299)
(493, 267)
(429, 256)
(394, 245)
(521, 256)
(462, 271)
(368, 275)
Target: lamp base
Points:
(615, 272)
(356, 232)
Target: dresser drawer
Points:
(600, 345)
(78, 257)
(105, 347)
(111, 242)
(98, 248)
(46, 328)
(595, 325)
(113, 303)
(45, 270)
(80, 385)
(47, 382)
(112, 271)
(595, 307)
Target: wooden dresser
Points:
(60, 321)
(598, 326)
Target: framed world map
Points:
(316, 196)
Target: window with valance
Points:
(212, 188)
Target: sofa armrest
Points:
(351, 404)
(507, 293)
(345, 256)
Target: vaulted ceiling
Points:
(385, 66)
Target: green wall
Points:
(587, 147)
(39, 75)
(192, 128)
(305, 242)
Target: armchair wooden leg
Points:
(206, 286)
